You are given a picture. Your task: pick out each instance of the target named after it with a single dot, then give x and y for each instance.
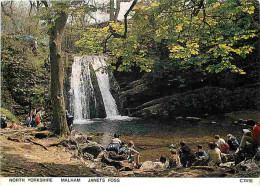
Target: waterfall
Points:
(98, 63)
(81, 89)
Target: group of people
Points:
(116, 145)
(35, 117)
(218, 150)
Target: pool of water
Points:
(152, 138)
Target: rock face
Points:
(169, 91)
(198, 102)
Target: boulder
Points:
(179, 118)
(193, 119)
(249, 165)
(92, 148)
(109, 158)
(110, 170)
(152, 166)
(80, 138)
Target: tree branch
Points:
(116, 35)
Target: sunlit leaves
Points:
(217, 32)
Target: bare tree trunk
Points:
(118, 2)
(112, 10)
(60, 126)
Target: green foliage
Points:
(10, 117)
(210, 35)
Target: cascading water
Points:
(81, 89)
(98, 63)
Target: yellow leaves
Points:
(215, 5)
(178, 28)
(180, 52)
(105, 29)
(193, 48)
(176, 48)
(249, 10)
(252, 35)
(155, 4)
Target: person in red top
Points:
(256, 133)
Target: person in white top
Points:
(219, 141)
(221, 144)
(116, 139)
(115, 144)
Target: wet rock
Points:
(87, 156)
(92, 148)
(193, 119)
(179, 118)
(109, 158)
(241, 121)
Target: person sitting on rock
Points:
(115, 144)
(3, 121)
(214, 154)
(161, 164)
(221, 144)
(233, 142)
(187, 157)
(246, 141)
(133, 155)
(174, 159)
(200, 152)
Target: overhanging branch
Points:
(116, 35)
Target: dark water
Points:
(156, 136)
(158, 129)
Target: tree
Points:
(57, 22)
(114, 12)
(56, 16)
(210, 35)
